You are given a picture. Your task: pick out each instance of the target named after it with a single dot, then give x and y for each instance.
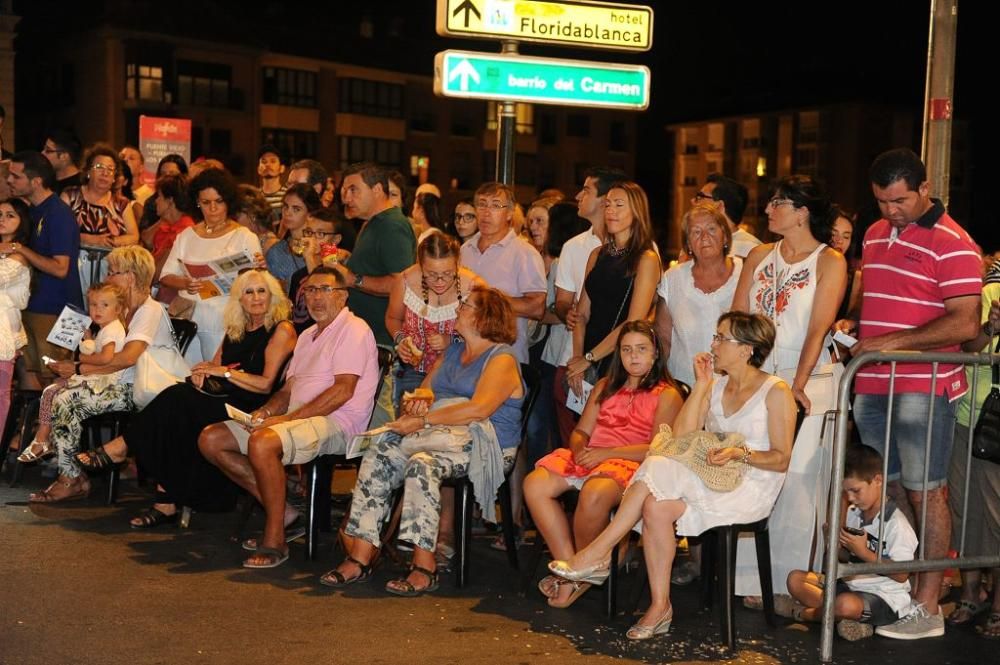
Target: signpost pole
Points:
(506, 127)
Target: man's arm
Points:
(563, 303)
(530, 305)
(326, 402)
(57, 266)
(958, 324)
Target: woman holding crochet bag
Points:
(745, 400)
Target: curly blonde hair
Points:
(235, 320)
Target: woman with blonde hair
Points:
(243, 372)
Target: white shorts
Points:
(301, 440)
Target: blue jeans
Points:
(908, 435)
(542, 432)
(407, 378)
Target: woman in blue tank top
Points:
(475, 380)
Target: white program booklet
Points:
(359, 443)
(242, 417)
(576, 404)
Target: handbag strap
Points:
(621, 307)
(996, 367)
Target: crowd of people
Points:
(673, 401)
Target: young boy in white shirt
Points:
(863, 601)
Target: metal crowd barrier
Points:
(834, 568)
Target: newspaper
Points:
(68, 329)
(217, 276)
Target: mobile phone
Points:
(854, 530)
(844, 339)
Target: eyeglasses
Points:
(466, 303)
(719, 339)
(775, 202)
(440, 276)
(310, 233)
(702, 196)
(465, 216)
(495, 205)
(325, 289)
(101, 168)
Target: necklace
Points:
(613, 249)
(212, 230)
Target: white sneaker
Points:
(916, 625)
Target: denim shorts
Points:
(877, 612)
(909, 435)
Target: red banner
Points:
(159, 137)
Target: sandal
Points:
(62, 490)
(965, 612)
(38, 450)
(640, 632)
(96, 461)
(275, 558)
(152, 518)
(753, 603)
(500, 544)
(403, 586)
(991, 629)
(336, 579)
(579, 588)
(549, 585)
(291, 533)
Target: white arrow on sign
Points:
(466, 71)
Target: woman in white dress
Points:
(798, 282)
(760, 407)
(217, 235)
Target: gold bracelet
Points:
(747, 452)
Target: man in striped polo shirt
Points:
(920, 292)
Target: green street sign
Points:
(578, 23)
(541, 80)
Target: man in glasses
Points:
(506, 260)
(326, 399)
(63, 150)
(731, 198)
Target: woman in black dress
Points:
(620, 284)
(164, 436)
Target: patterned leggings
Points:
(383, 469)
(71, 407)
(45, 404)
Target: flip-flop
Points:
(277, 557)
(291, 533)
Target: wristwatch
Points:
(427, 425)
(589, 357)
(358, 279)
(228, 374)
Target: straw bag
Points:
(692, 449)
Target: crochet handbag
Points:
(692, 450)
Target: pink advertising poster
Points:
(159, 137)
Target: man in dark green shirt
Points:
(385, 246)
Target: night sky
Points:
(709, 58)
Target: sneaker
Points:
(916, 625)
(852, 631)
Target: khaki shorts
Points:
(37, 327)
(301, 440)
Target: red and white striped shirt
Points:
(907, 276)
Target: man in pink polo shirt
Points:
(921, 292)
(327, 398)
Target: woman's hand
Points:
(209, 369)
(406, 425)
(591, 457)
(704, 367)
(63, 368)
(720, 456)
(193, 286)
(575, 369)
(438, 342)
(416, 407)
(197, 380)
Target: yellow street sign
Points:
(579, 23)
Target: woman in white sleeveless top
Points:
(798, 282)
(664, 492)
